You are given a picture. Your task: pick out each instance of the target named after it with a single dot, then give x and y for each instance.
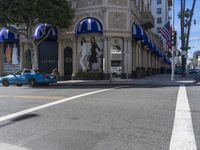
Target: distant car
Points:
(28, 76)
(116, 71)
(178, 70)
(193, 71)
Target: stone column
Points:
(105, 57)
(75, 57)
(109, 57)
(60, 58)
(1, 59)
(124, 58)
(139, 56)
(133, 56)
(130, 58)
(22, 59)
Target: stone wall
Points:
(117, 20)
(87, 3)
(118, 2)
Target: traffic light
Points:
(173, 38)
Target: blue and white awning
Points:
(137, 32)
(147, 42)
(89, 25)
(42, 29)
(7, 36)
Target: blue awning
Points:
(8, 37)
(89, 25)
(145, 40)
(42, 29)
(137, 32)
(166, 60)
(154, 50)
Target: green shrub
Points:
(89, 75)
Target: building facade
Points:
(109, 37)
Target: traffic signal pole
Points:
(173, 22)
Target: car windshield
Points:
(39, 72)
(18, 72)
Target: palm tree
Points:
(186, 19)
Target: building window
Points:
(159, 1)
(159, 20)
(158, 30)
(159, 10)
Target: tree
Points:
(186, 20)
(22, 16)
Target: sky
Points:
(195, 29)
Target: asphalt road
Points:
(124, 118)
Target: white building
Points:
(160, 11)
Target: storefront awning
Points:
(89, 25)
(8, 37)
(137, 32)
(147, 42)
(41, 31)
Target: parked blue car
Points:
(28, 76)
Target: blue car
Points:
(28, 76)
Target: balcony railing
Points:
(146, 17)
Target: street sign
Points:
(183, 53)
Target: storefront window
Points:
(91, 54)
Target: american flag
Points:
(166, 33)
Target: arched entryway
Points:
(68, 62)
(48, 56)
(90, 48)
(48, 49)
(11, 51)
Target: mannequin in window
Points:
(83, 53)
(8, 54)
(95, 51)
(14, 55)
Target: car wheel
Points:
(114, 75)
(19, 85)
(32, 82)
(5, 83)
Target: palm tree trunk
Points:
(185, 40)
(183, 37)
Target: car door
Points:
(16, 79)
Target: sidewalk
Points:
(157, 80)
(161, 79)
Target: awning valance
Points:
(137, 32)
(89, 25)
(42, 30)
(8, 37)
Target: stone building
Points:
(107, 35)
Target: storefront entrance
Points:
(68, 63)
(48, 56)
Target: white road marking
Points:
(30, 110)
(183, 137)
(4, 146)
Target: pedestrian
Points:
(56, 73)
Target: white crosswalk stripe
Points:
(183, 137)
